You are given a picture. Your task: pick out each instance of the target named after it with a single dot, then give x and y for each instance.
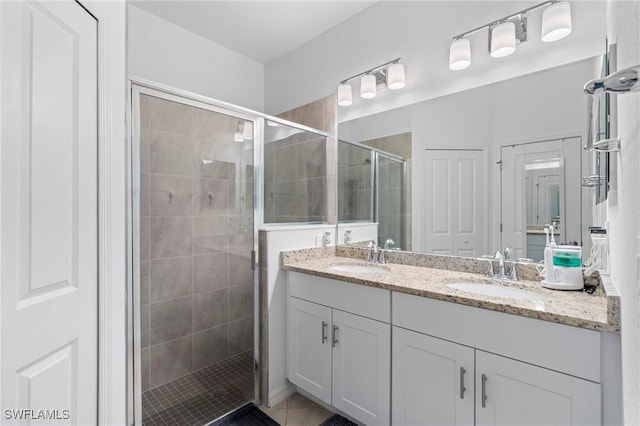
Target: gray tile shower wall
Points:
(295, 180)
(196, 236)
(300, 169)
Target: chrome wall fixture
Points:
(623, 81)
(389, 74)
(507, 32)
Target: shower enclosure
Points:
(194, 244)
(372, 186)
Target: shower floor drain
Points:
(218, 393)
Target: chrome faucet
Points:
(501, 274)
(372, 251)
(381, 255)
(500, 258)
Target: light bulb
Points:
(460, 54)
(395, 76)
(368, 86)
(503, 39)
(344, 95)
(556, 21)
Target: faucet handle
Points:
(507, 252)
(388, 243)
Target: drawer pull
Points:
(324, 332)
(334, 336)
(462, 388)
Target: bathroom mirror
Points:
(458, 148)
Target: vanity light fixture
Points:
(503, 39)
(345, 97)
(368, 86)
(390, 74)
(507, 32)
(247, 130)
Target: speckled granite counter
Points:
(599, 311)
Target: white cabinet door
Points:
(516, 393)
(433, 381)
(361, 368)
(309, 341)
(49, 231)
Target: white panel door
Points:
(516, 393)
(514, 190)
(433, 381)
(453, 209)
(48, 229)
(309, 352)
(362, 368)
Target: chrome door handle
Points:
(484, 391)
(334, 337)
(462, 389)
(324, 331)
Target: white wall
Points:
(624, 206)
(281, 238)
(166, 53)
(420, 32)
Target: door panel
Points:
(523, 394)
(427, 380)
(453, 212)
(309, 340)
(361, 368)
(49, 208)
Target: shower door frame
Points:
(403, 200)
(137, 87)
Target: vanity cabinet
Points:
(443, 348)
(510, 392)
(339, 348)
(435, 382)
(432, 381)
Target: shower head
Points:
(623, 81)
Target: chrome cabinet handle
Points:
(462, 388)
(484, 391)
(334, 337)
(324, 331)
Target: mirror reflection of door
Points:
(453, 202)
(540, 186)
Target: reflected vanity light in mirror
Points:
(545, 165)
(272, 123)
(344, 95)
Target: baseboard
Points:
(279, 394)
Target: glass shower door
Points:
(193, 248)
(390, 199)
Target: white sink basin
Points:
(495, 290)
(358, 268)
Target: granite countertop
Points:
(598, 311)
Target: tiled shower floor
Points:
(202, 396)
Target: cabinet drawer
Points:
(563, 348)
(370, 302)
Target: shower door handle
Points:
(324, 331)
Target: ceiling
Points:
(260, 30)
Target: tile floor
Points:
(202, 396)
(297, 411)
